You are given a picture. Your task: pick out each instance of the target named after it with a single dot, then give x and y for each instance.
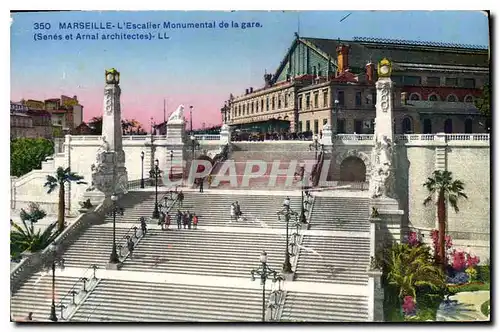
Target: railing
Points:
(208, 137)
(352, 185)
(417, 137)
(72, 299)
(136, 184)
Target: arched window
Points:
(448, 126)
(407, 126)
(468, 99)
(433, 97)
(427, 126)
(468, 126)
(414, 96)
(451, 98)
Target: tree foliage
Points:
(409, 268)
(129, 126)
(448, 191)
(483, 104)
(27, 154)
(25, 238)
(62, 177)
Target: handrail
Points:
(74, 285)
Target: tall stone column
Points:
(109, 174)
(176, 125)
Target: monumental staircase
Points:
(288, 155)
(203, 274)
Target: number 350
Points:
(41, 26)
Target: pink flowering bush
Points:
(414, 239)
(409, 306)
(462, 260)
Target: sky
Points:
(195, 67)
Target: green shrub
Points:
(471, 287)
(485, 308)
(483, 273)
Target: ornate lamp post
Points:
(142, 169)
(276, 296)
(194, 145)
(316, 146)
(264, 272)
(286, 214)
(170, 175)
(156, 212)
(114, 258)
(55, 260)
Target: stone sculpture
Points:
(178, 114)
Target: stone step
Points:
(169, 303)
(35, 295)
(207, 253)
(94, 247)
(324, 308)
(334, 259)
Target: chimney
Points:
(404, 98)
(370, 73)
(342, 57)
(251, 89)
(246, 91)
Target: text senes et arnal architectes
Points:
(136, 26)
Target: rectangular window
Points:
(433, 81)
(316, 97)
(325, 98)
(273, 102)
(412, 80)
(374, 97)
(469, 83)
(316, 126)
(262, 105)
(451, 81)
(358, 126)
(308, 101)
(341, 98)
(300, 127)
(341, 126)
(286, 100)
(279, 102)
(358, 98)
(300, 102)
(398, 80)
(267, 104)
(308, 125)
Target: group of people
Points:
(186, 219)
(235, 211)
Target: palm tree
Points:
(411, 267)
(62, 177)
(448, 191)
(26, 239)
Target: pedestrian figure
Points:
(162, 220)
(190, 220)
(130, 246)
(180, 197)
(29, 317)
(179, 219)
(233, 213)
(209, 180)
(195, 221)
(286, 202)
(168, 220)
(201, 185)
(237, 209)
(185, 220)
(143, 226)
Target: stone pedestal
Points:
(327, 139)
(390, 216)
(225, 135)
(375, 296)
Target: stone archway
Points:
(353, 169)
(354, 158)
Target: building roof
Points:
(364, 50)
(38, 112)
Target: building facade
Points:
(323, 81)
(29, 122)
